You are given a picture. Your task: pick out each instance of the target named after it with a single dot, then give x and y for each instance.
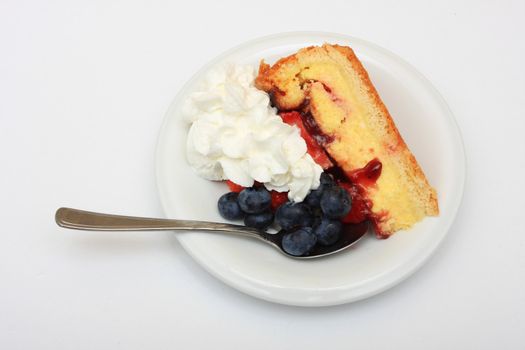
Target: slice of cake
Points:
(343, 112)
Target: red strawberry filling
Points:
(360, 208)
(314, 150)
(367, 176)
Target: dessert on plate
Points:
(335, 96)
(308, 145)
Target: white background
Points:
(83, 89)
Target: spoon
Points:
(90, 221)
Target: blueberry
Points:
(327, 180)
(335, 202)
(328, 231)
(229, 207)
(259, 221)
(317, 215)
(313, 199)
(292, 215)
(299, 242)
(255, 200)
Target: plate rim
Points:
(407, 270)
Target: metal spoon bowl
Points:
(90, 221)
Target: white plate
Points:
(372, 266)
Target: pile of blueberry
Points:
(316, 220)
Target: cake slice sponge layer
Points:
(331, 84)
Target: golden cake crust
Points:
(333, 85)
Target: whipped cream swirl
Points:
(236, 135)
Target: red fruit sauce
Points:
(360, 206)
(314, 130)
(368, 175)
(312, 143)
(355, 183)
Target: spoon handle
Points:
(86, 220)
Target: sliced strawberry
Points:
(278, 199)
(360, 210)
(234, 187)
(314, 150)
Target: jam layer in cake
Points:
(330, 84)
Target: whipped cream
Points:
(236, 135)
